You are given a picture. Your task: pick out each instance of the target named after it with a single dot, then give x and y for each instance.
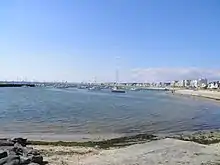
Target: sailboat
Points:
(116, 89)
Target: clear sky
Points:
(77, 40)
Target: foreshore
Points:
(195, 149)
(215, 95)
(165, 151)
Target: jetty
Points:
(16, 85)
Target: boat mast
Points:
(117, 71)
(116, 76)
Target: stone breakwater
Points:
(15, 152)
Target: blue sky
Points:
(77, 40)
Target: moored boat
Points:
(117, 90)
(94, 88)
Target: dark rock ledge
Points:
(15, 152)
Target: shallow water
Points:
(76, 112)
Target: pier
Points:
(16, 85)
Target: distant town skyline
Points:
(178, 82)
(76, 41)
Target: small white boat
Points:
(117, 90)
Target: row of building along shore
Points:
(202, 83)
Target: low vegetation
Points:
(198, 137)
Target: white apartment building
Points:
(202, 83)
(194, 83)
(187, 83)
(174, 83)
(214, 85)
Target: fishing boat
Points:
(117, 90)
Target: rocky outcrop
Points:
(16, 152)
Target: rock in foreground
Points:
(16, 152)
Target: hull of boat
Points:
(118, 91)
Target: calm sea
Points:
(73, 113)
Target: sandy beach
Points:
(201, 148)
(165, 151)
(199, 93)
